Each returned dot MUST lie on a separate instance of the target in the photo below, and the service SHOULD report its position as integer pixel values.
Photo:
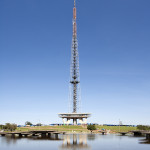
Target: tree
(1, 126)
(28, 123)
(38, 124)
(142, 127)
(13, 127)
(91, 127)
(10, 127)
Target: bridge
(142, 133)
(41, 133)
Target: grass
(56, 128)
(77, 129)
(117, 128)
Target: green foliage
(91, 127)
(142, 127)
(38, 124)
(1, 126)
(10, 127)
(28, 123)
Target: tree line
(143, 127)
(9, 127)
(13, 126)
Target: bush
(10, 127)
(28, 123)
(38, 124)
(142, 127)
(91, 127)
(1, 126)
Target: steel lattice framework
(74, 69)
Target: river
(75, 142)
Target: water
(75, 142)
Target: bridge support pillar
(137, 133)
(43, 134)
(56, 136)
(49, 134)
(2, 134)
(148, 136)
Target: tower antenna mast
(74, 80)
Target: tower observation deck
(74, 80)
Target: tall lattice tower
(74, 69)
(74, 80)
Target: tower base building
(81, 117)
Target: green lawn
(117, 128)
(113, 129)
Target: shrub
(1, 126)
(28, 123)
(10, 127)
(91, 127)
(38, 124)
(142, 127)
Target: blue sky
(114, 52)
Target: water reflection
(91, 137)
(14, 139)
(75, 142)
(144, 141)
(9, 140)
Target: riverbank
(78, 129)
